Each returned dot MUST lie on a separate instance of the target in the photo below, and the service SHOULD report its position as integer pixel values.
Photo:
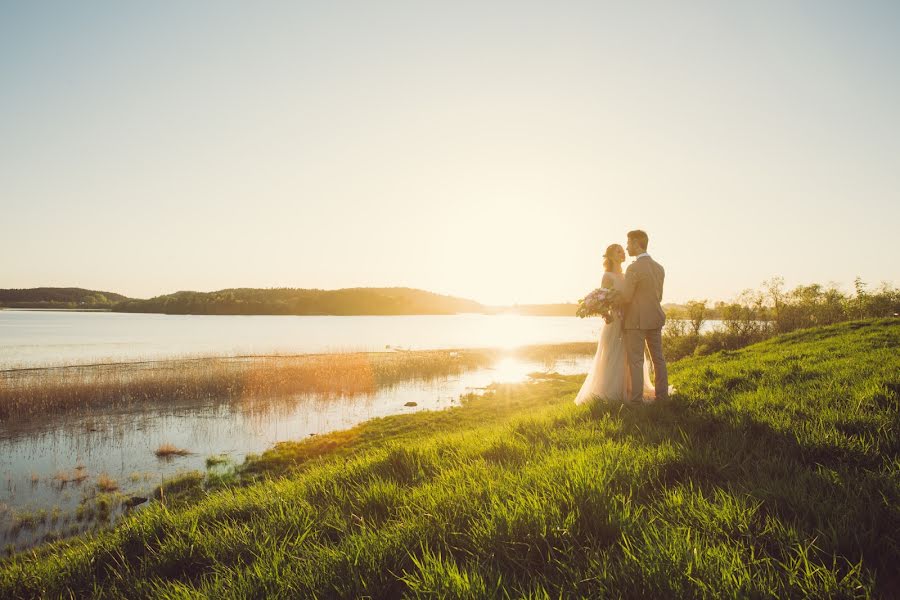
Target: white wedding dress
(608, 377)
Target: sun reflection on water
(510, 369)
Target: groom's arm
(662, 280)
(631, 281)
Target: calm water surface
(29, 338)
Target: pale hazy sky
(489, 150)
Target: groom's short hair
(640, 237)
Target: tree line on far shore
(52, 297)
(292, 301)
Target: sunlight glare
(511, 370)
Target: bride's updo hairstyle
(610, 258)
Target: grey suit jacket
(642, 295)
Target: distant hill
(295, 301)
(52, 297)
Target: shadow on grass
(844, 498)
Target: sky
(489, 150)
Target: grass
(774, 473)
(183, 488)
(215, 460)
(28, 394)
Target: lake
(32, 338)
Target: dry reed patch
(167, 450)
(28, 394)
(105, 483)
(77, 476)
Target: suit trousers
(635, 339)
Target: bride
(608, 377)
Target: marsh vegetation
(39, 392)
(28, 393)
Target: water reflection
(55, 466)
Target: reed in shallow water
(29, 393)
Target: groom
(644, 317)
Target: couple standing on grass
(619, 371)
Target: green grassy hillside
(775, 472)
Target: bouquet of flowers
(598, 302)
